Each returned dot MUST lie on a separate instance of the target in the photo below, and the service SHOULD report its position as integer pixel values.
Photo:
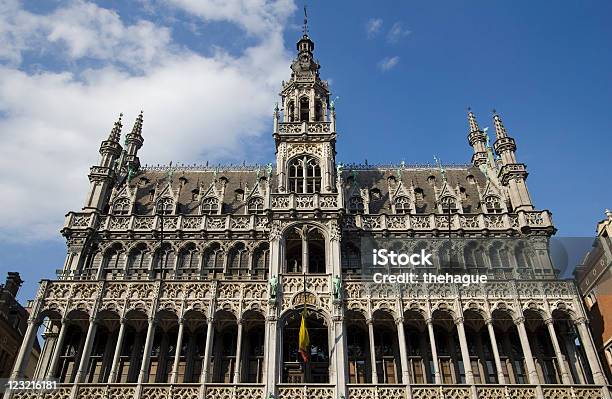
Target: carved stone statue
(337, 287)
(273, 287)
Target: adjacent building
(13, 324)
(191, 281)
(594, 278)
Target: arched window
(293, 252)
(121, 206)
(163, 261)
(474, 256)
(355, 204)
(210, 206)
(524, 256)
(114, 260)
(189, 259)
(256, 205)
(318, 110)
(213, 260)
(498, 254)
(239, 260)
(261, 260)
(139, 259)
(493, 204)
(304, 175)
(351, 258)
(448, 256)
(291, 111)
(402, 205)
(165, 206)
(316, 252)
(304, 109)
(449, 204)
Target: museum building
(191, 281)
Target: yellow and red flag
(304, 339)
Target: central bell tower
(305, 133)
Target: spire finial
(305, 22)
(500, 130)
(137, 129)
(115, 133)
(472, 121)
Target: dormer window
(431, 180)
(402, 205)
(375, 194)
(165, 206)
(195, 193)
(121, 206)
(304, 175)
(493, 204)
(449, 204)
(256, 205)
(355, 204)
(210, 206)
(418, 194)
(239, 194)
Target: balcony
(316, 391)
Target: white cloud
(388, 63)
(81, 30)
(257, 17)
(397, 32)
(52, 122)
(373, 26)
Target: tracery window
(304, 175)
(402, 205)
(114, 259)
(256, 205)
(165, 206)
(214, 257)
(493, 204)
(121, 206)
(356, 204)
(351, 258)
(449, 204)
(139, 258)
(239, 260)
(163, 261)
(210, 206)
(261, 260)
(189, 259)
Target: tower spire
(115, 133)
(500, 129)
(477, 139)
(305, 28)
(133, 143)
(472, 121)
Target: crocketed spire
(472, 121)
(115, 133)
(500, 130)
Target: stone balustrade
(315, 391)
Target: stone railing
(82, 221)
(315, 391)
(476, 392)
(304, 127)
(466, 222)
(304, 201)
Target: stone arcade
(188, 282)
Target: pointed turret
(478, 140)
(134, 141)
(103, 175)
(110, 149)
(511, 174)
(504, 145)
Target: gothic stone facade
(188, 282)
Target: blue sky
(405, 72)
